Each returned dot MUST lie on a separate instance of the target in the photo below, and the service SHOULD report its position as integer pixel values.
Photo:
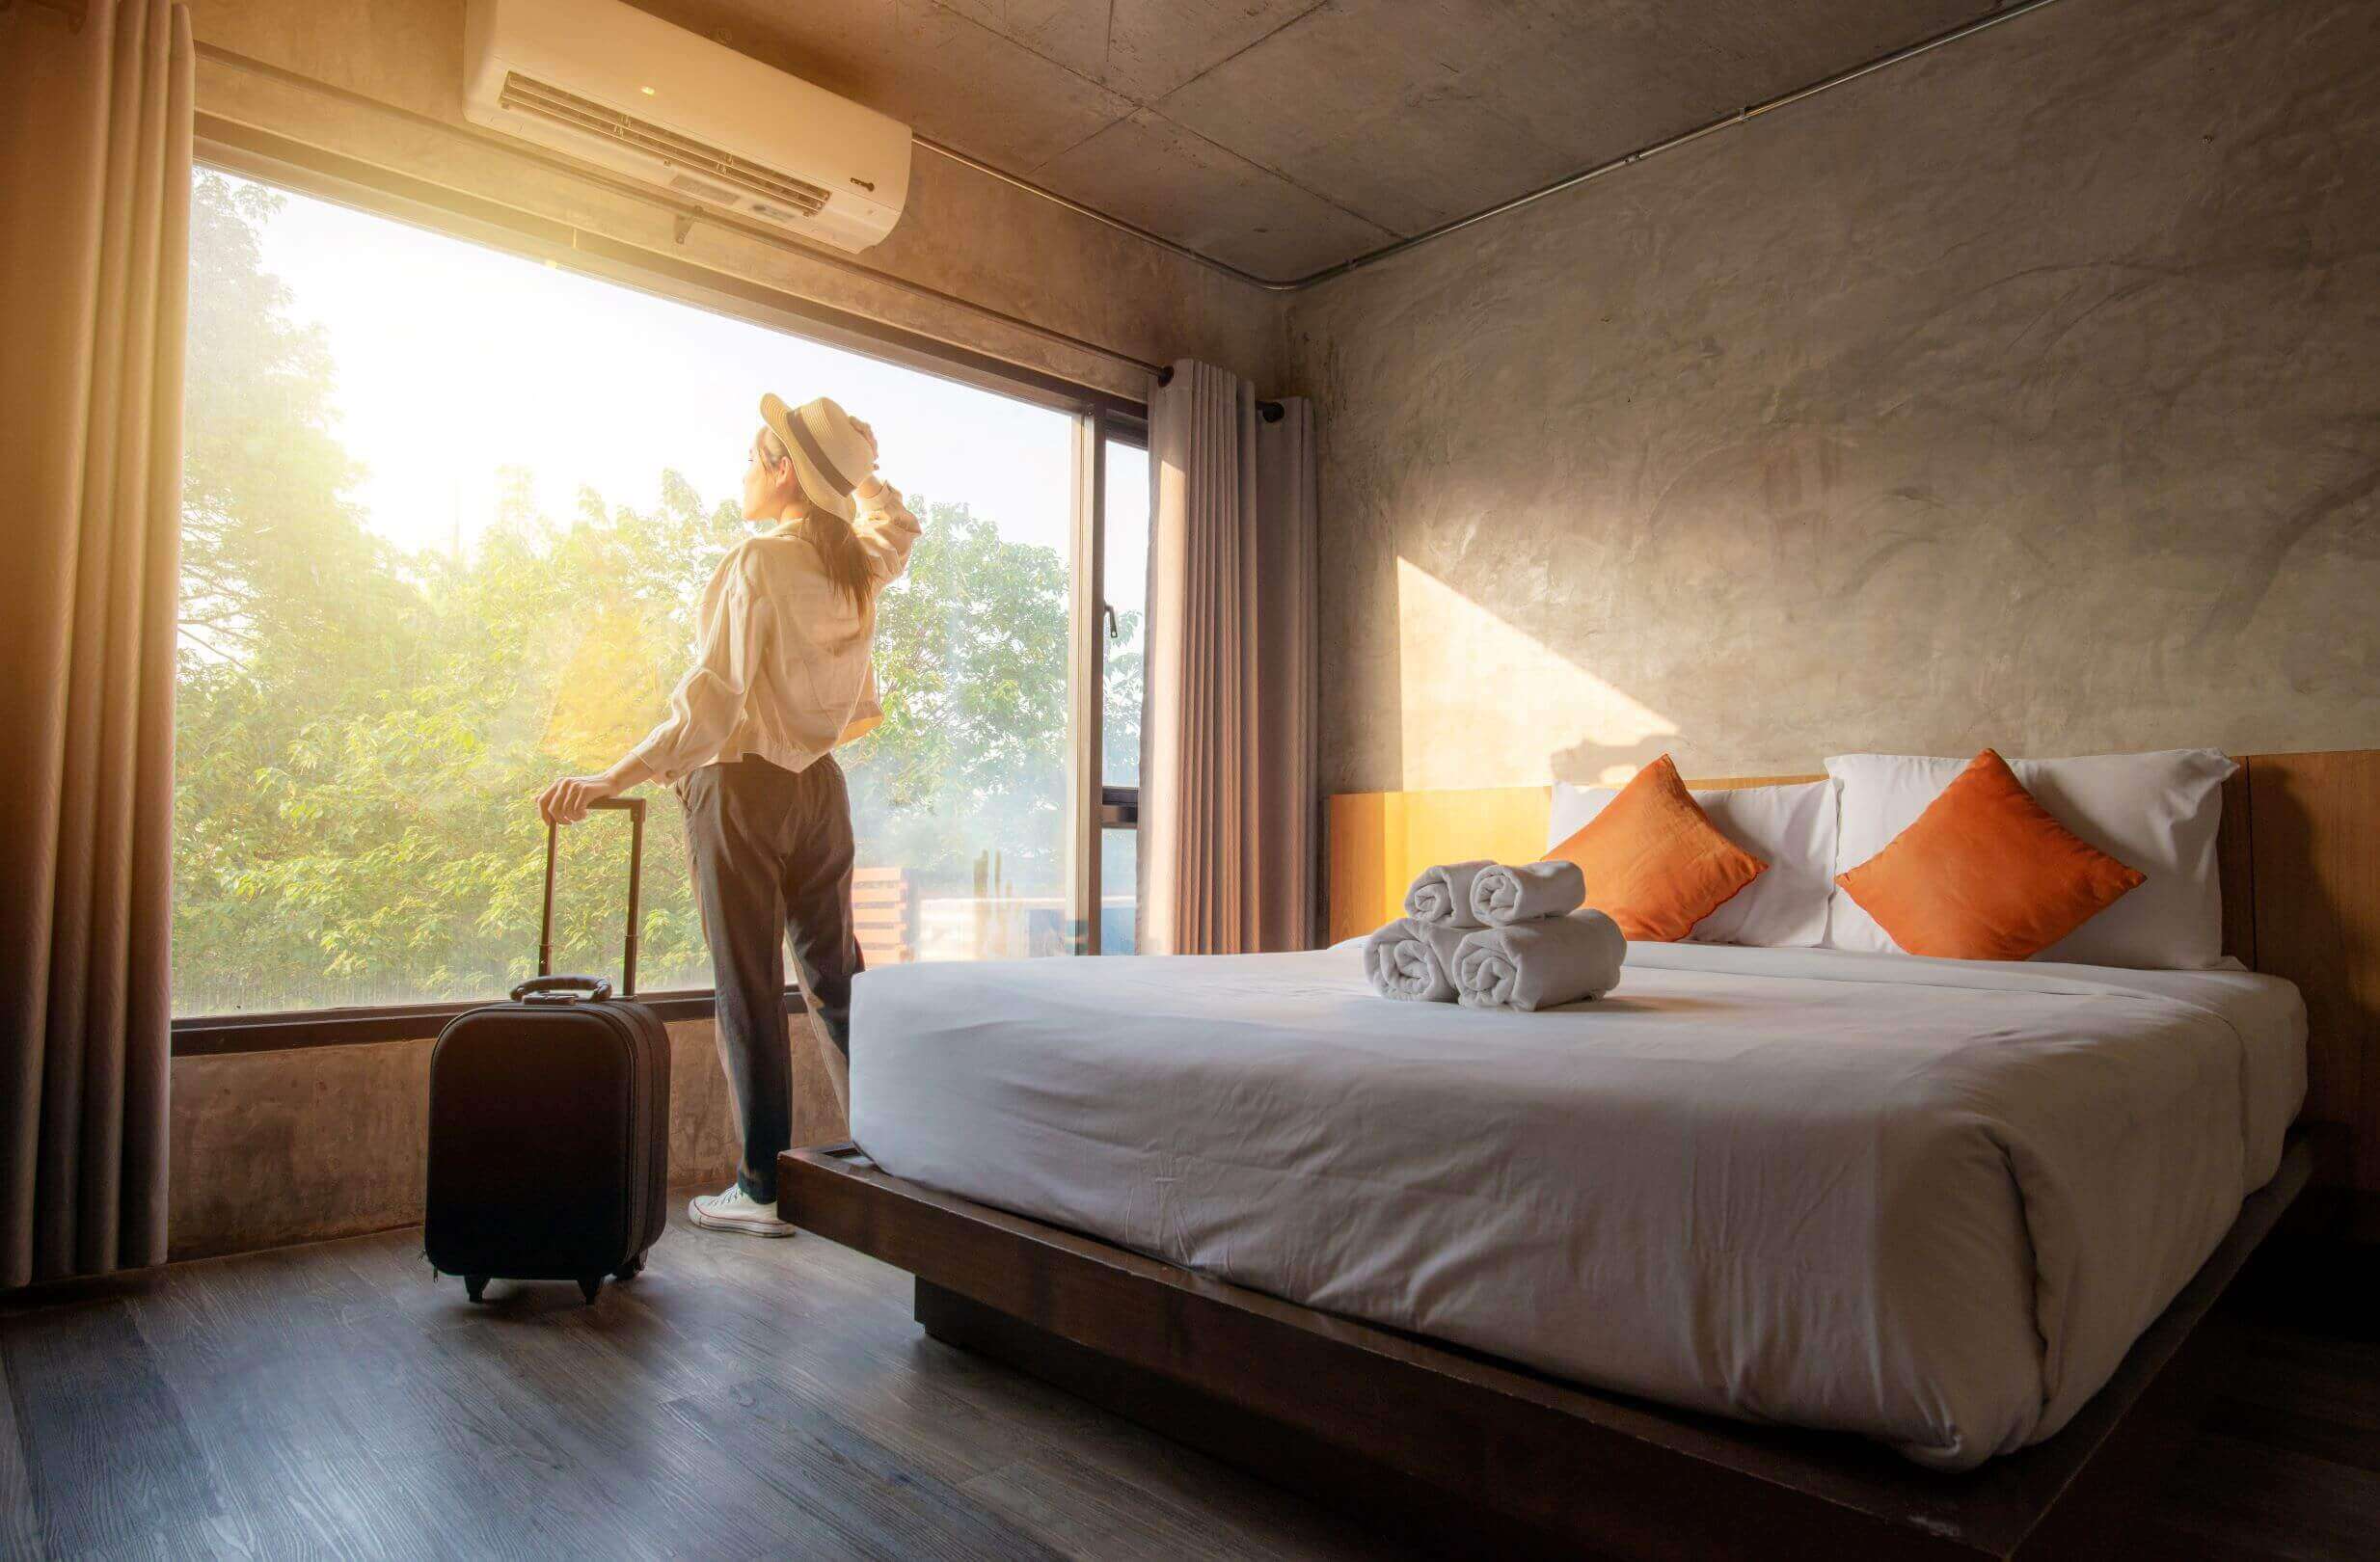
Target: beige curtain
(94, 203)
(1227, 805)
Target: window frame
(224, 146)
(1094, 806)
(1119, 807)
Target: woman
(782, 675)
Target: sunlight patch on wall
(1473, 686)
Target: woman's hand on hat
(869, 488)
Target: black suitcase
(549, 1155)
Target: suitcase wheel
(475, 1284)
(588, 1286)
(631, 1269)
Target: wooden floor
(747, 1398)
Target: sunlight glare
(455, 362)
(1471, 684)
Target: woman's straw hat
(830, 456)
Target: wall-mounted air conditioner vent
(607, 82)
(552, 103)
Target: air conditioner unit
(606, 83)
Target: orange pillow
(1985, 874)
(1653, 861)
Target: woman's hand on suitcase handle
(567, 800)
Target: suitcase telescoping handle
(562, 989)
(597, 990)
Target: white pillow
(1790, 828)
(2154, 812)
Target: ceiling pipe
(1571, 181)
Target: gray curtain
(1228, 806)
(94, 207)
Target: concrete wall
(288, 1147)
(2026, 394)
(273, 1148)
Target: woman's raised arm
(886, 530)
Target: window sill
(216, 1035)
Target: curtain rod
(1270, 409)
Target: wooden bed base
(1479, 1457)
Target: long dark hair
(846, 561)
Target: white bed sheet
(1930, 1202)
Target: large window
(447, 513)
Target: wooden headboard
(2300, 849)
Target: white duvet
(1930, 1202)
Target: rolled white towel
(1443, 893)
(1413, 960)
(1540, 964)
(1524, 891)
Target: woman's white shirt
(782, 664)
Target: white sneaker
(736, 1210)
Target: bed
(1595, 1276)
(1928, 1201)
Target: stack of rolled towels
(1496, 935)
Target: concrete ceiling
(1282, 136)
